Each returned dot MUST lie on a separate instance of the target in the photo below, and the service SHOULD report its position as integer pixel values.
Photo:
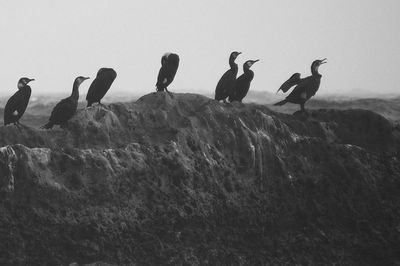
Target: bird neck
(232, 63)
(25, 88)
(247, 70)
(75, 91)
(314, 70)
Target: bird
(16, 105)
(243, 82)
(306, 87)
(100, 85)
(169, 66)
(66, 108)
(227, 82)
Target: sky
(56, 41)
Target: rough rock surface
(184, 180)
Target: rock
(8, 159)
(239, 184)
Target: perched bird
(293, 80)
(306, 88)
(169, 66)
(66, 108)
(227, 82)
(17, 103)
(100, 85)
(243, 82)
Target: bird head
(164, 58)
(102, 70)
(234, 55)
(249, 63)
(315, 65)
(80, 79)
(23, 82)
(320, 62)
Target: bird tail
(48, 125)
(280, 103)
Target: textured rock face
(184, 180)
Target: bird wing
(172, 67)
(11, 106)
(92, 89)
(226, 84)
(62, 111)
(299, 93)
(292, 81)
(16, 106)
(242, 86)
(101, 84)
(161, 78)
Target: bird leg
(302, 108)
(103, 105)
(17, 124)
(170, 93)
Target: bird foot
(169, 93)
(301, 114)
(104, 106)
(64, 125)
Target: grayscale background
(55, 41)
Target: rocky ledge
(184, 180)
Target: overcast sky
(55, 41)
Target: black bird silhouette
(66, 108)
(227, 82)
(243, 82)
(16, 105)
(306, 88)
(100, 85)
(169, 66)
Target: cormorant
(100, 85)
(243, 82)
(226, 84)
(306, 88)
(66, 108)
(169, 66)
(17, 103)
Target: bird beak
(256, 61)
(239, 53)
(86, 78)
(31, 80)
(323, 61)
